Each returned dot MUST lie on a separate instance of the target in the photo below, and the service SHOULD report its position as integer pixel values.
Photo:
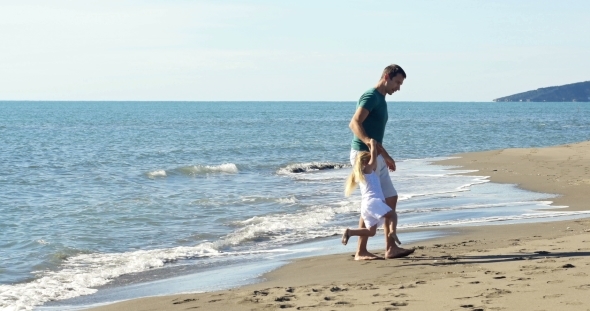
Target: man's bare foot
(345, 237)
(366, 256)
(398, 253)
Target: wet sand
(539, 266)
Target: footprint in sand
(555, 282)
(399, 304)
(574, 303)
(552, 296)
(286, 306)
(583, 287)
(521, 285)
(284, 298)
(496, 292)
(184, 301)
(260, 293)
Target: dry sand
(541, 266)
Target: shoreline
(561, 170)
(519, 266)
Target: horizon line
(234, 101)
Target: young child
(374, 210)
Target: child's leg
(358, 232)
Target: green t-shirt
(375, 122)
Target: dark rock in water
(315, 167)
(575, 92)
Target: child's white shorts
(372, 212)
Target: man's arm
(356, 126)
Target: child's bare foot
(393, 236)
(345, 237)
(366, 256)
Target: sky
(283, 50)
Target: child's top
(371, 188)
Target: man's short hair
(393, 70)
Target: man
(368, 122)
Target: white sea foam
(156, 174)
(80, 274)
(467, 207)
(228, 168)
(289, 200)
(260, 199)
(494, 219)
(279, 229)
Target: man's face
(394, 85)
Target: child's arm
(372, 165)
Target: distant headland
(575, 92)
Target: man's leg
(390, 244)
(391, 248)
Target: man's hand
(390, 163)
(388, 159)
(380, 150)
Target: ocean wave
(310, 166)
(194, 170)
(156, 174)
(228, 168)
(257, 199)
(81, 274)
(279, 229)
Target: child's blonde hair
(357, 176)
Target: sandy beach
(539, 266)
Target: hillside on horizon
(575, 92)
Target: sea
(108, 201)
